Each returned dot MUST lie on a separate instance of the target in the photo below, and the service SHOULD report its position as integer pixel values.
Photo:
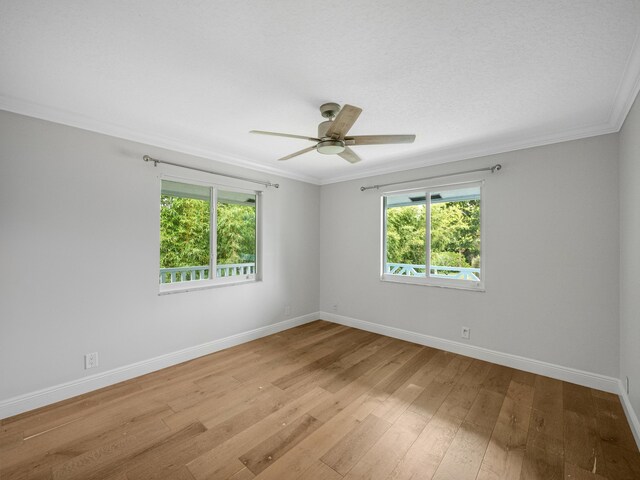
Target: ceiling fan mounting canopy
(332, 136)
(329, 110)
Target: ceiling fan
(332, 136)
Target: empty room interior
(300, 240)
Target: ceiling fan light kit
(330, 147)
(332, 136)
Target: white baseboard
(632, 417)
(46, 396)
(572, 375)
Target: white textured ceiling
(467, 77)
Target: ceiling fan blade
(298, 153)
(288, 135)
(379, 139)
(343, 122)
(350, 156)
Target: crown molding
(83, 122)
(628, 87)
(457, 153)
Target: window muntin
(200, 245)
(442, 224)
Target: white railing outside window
(188, 274)
(437, 271)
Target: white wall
(79, 236)
(550, 252)
(630, 254)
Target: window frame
(429, 280)
(214, 281)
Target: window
(442, 224)
(202, 246)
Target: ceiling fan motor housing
(328, 146)
(323, 127)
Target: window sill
(196, 285)
(432, 282)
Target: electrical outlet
(465, 333)
(287, 310)
(91, 360)
(334, 308)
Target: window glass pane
(406, 234)
(455, 234)
(236, 234)
(185, 212)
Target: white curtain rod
(155, 161)
(493, 169)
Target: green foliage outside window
(185, 230)
(236, 233)
(455, 234)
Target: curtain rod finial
(496, 168)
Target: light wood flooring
(323, 401)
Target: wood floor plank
(70, 445)
(622, 464)
(485, 409)
(431, 369)
(540, 464)
(498, 379)
(284, 362)
(424, 456)
(75, 438)
(505, 453)
(612, 424)
(386, 453)
(406, 371)
(435, 393)
(325, 376)
(319, 471)
(299, 374)
(374, 380)
(356, 371)
(464, 456)
(270, 450)
(546, 432)
(218, 405)
(352, 447)
(581, 440)
(320, 401)
(394, 406)
(300, 458)
(244, 474)
(573, 472)
(222, 461)
(107, 458)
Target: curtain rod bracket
(147, 158)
